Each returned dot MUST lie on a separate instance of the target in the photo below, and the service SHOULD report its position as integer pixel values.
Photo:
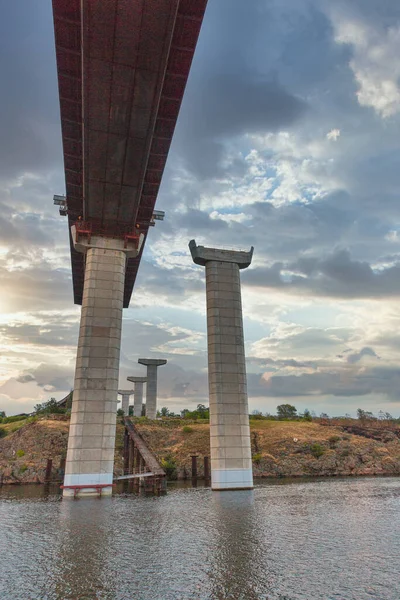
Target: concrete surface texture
(231, 464)
(126, 394)
(152, 365)
(90, 455)
(138, 397)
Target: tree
(257, 414)
(49, 408)
(364, 415)
(203, 411)
(2, 414)
(384, 416)
(164, 412)
(307, 415)
(286, 411)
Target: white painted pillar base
(231, 479)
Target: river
(331, 539)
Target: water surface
(332, 539)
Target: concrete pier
(90, 455)
(138, 394)
(231, 464)
(152, 365)
(126, 394)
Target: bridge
(122, 70)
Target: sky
(288, 141)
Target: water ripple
(336, 539)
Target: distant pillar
(125, 400)
(151, 391)
(138, 394)
(231, 466)
(90, 455)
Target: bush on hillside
(49, 408)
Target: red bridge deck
(122, 70)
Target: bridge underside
(122, 70)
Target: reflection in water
(320, 540)
(79, 569)
(232, 574)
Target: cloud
(373, 63)
(336, 275)
(333, 134)
(357, 356)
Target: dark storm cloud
(52, 332)
(59, 378)
(336, 275)
(344, 383)
(227, 94)
(26, 229)
(174, 283)
(29, 124)
(201, 219)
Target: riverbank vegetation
(286, 444)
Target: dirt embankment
(280, 449)
(283, 448)
(24, 452)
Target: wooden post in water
(206, 468)
(194, 467)
(126, 453)
(49, 467)
(131, 455)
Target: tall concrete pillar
(138, 394)
(125, 400)
(90, 455)
(151, 391)
(231, 465)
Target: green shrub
(187, 429)
(169, 465)
(14, 419)
(333, 440)
(257, 458)
(20, 453)
(23, 468)
(3, 432)
(317, 450)
(345, 452)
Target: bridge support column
(231, 465)
(126, 394)
(138, 394)
(152, 365)
(90, 455)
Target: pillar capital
(137, 380)
(202, 255)
(152, 365)
(84, 240)
(126, 392)
(151, 362)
